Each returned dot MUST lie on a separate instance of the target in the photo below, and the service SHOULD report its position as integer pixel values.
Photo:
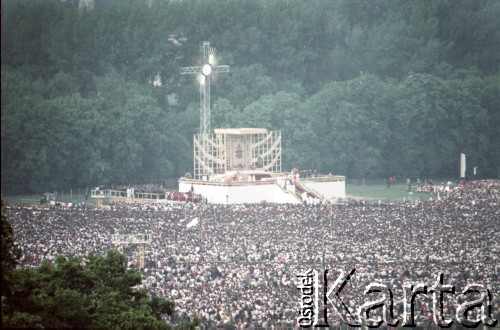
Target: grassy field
(35, 199)
(395, 193)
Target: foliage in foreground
(76, 292)
(96, 291)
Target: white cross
(204, 73)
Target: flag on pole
(192, 223)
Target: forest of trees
(359, 88)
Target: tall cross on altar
(207, 70)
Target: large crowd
(237, 265)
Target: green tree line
(359, 88)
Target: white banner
(462, 165)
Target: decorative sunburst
(205, 71)
(206, 68)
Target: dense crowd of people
(237, 265)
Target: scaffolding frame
(133, 239)
(236, 150)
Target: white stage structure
(236, 149)
(243, 165)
